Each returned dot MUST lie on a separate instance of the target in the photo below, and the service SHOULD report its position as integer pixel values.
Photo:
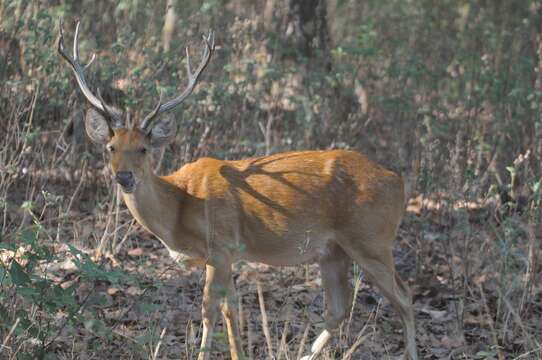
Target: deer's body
(284, 209)
(327, 207)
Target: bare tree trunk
(169, 25)
(268, 14)
(308, 29)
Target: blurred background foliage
(390, 78)
(448, 93)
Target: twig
(530, 271)
(241, 315)
(361, 338)
(117, 219)
(250, 338)
(157, 348)
(282, 345)
(491, 323)
(117, 248)
(523, 356)
(357, 286)
(265, 325)
(6, 339)
(76, 191)
(301, 348)
(519, 322)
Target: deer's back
(269, 203)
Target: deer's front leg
(218, 285)
(210, 309)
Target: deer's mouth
(128, 189)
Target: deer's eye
(143, 150)
(110, 148)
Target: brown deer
(327, 207)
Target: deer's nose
(125, 178)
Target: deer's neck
(159, 206)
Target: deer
(329, 207)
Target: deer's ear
(163, 131)
(97, 127)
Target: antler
(78, 70)
(192, 81)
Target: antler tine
(78, 70)
(76, 42)
(210, 41)
(188, 65)
(92, 58)
(149, 117)
(118, 121)
(192, 80)
(76, 48)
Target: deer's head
(129, 143)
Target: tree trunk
(169, 25)
(308, 30)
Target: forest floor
(162, 311)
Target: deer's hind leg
(229, 313)
(377, 262)
(334, 269)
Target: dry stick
(241, 314)
(357, 286)
(76, 191)
(63, 148)
(301, 348)
(26, 138)
(73, 217)
(507, 315)
(6, 339)
(20, 346)
(124, 336)
(361, 338)
(530, 272)
(103, 239)
(519, 322)
(105, 233)
(155, 354)
(265, 326)
(29, 194)
(266, 131)
(59, 225)
(30, 119)
(250, 338)
(5, 211)
(283, 346)
(117, 219)
(524, 355)
(491, 323)
(190, 339)
(125, 237)
(201, 142)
